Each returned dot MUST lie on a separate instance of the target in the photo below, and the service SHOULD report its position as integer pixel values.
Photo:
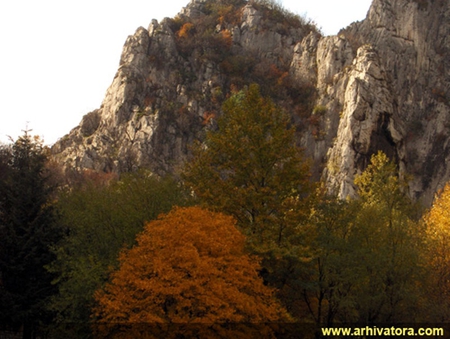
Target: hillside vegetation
(262, 249)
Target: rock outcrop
(380, 84)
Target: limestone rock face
(380, 84)
(412, 41)
(366, 124)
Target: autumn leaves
(193, 265)
(189, 266)
(264, 245)
(364, 260)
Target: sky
(59, 57)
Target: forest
(239, 242)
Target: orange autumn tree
(189, 266)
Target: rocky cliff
(380, 84)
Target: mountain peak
(380, 84)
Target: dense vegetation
(188, 266)
(251, 169)
(101, 217)
(97, 253)
(28, 229)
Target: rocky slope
(380, 84)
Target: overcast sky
(58, 57)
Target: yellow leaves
(437, 254)
(437, 222)
(438, 218)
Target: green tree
(366, 265)
(387, 242)
(330, 273)
(27, 231)
(251, 169)
(189, 267)
(101, 217)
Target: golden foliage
(437, 222)
(187, 267)
(185, 30)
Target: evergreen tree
(27, 231)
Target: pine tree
(27, 231)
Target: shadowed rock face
(412, 41)
(380, 84)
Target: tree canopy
(251, 168)
(368, 253)
(101, 217)
(27, 232)
(437, 231)
(189, 266)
